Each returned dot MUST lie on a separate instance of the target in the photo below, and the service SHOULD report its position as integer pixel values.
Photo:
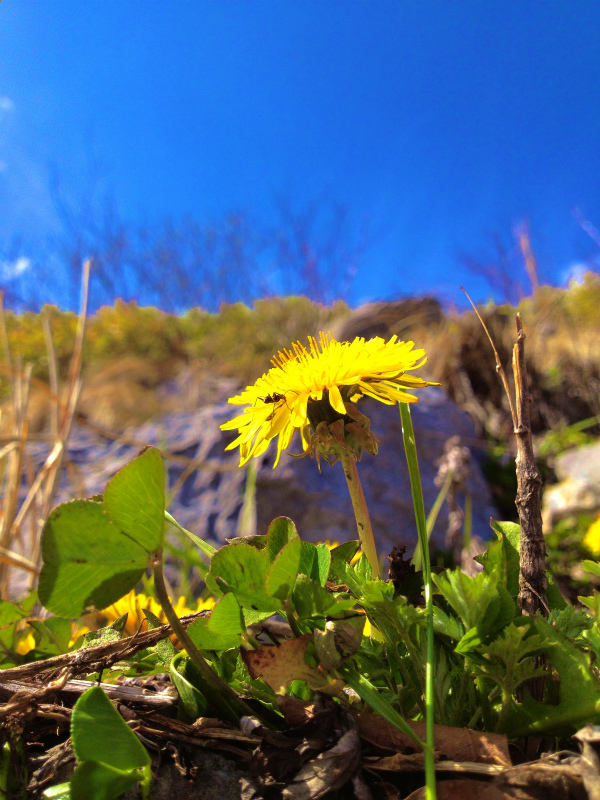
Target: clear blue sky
(437, 121)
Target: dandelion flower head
(328, 372)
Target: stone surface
(209, 498)
(582, 463)
(320, 504)
(578, 490)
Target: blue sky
(437, 122)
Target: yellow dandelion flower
(290, 395)
(134, 604)
(592, 537)
(27, 642)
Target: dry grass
(22, 521)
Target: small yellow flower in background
(134, 604)
(319, 384)
(592, 538)
(27, 642)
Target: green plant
(110, 757)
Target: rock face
(210, 485)
(320, 505)
(579, 487)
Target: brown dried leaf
(452, 744)
(326, 772)
(543, 781)
(278, 666)
(399, 762)
(295, 711)
(463, 790)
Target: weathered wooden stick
(532, 576)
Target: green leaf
(258, 540)
(579, 692)
(502, 557)
(315, 561)
(323, 564)
(100, 733)
(571, 622)
(203, 546)
(135, 499)
(87, 560)
(592, 567)
(184, 675)
(342, 554)
(96, 781)
(165, 649)
(223, 629)
(510, 658)
(242, 569)
(444, 624)
(312, 600)
(10, 613)
(470, 598)
(281, 531)
(284, 570)
(53, 636)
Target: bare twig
(532, 577)
(87, 660)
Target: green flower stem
(361, 513)
(410, 449)
(433, 515)
(216, 691)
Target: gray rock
(578, 490)
(320, 504)
(209, 498)
(568, 498)
(581, 463)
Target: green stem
(219, 693)
(361, 513)
(433, 515)
(291, 620)
(410, 449)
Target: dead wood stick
(532, 557)
(102, 656)
(532, 575)
(124, 694)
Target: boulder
(578, 490)
(210, 485)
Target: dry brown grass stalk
(15, 551)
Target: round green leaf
(87, 560)
(284, 570)
(100, 733)
(135, 499)
(94, 781)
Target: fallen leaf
(463, 790)
(452, 744)
(399, 762)
(280, 665)
(325, 755)
(295, 711)
(543, 780)
(589, 767)
(328, 771)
